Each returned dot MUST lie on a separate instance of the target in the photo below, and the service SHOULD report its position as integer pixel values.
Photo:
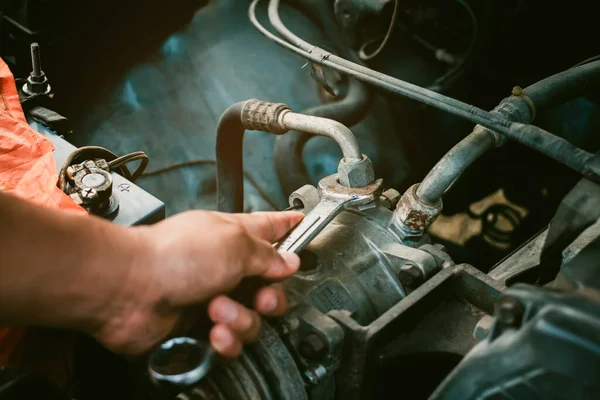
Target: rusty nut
(356, 174)
(307, 197)
(390, 198)
(412, 216)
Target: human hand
(190, 259)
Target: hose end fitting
(356, 174)
(412, 216)
(264, 116)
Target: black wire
(489, 219)
(199, 162)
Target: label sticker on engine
(331, 295)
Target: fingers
(236, 325)
(271, 301)
(267, 262)
(224, 341)
(269, 226)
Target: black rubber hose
(566, 85)
(543, 95)
(289, 161)
(230, 158)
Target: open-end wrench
(194, 358)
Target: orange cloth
(27, 170)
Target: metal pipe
(351, 109)
(325, 127)
(454, 163)
(536, 138)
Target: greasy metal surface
(347, 268)
(461, 282)
(528, 255)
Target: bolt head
(312, 347)
(509, 311)
(410, 275)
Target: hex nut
(390, 198)
(307, 197)
(356, 174)
(412, 216)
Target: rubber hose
(289, 161)
(230, 157)
(545, 94)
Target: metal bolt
(483, 328)
(509, 311)
(312, 346)
(410, 274)
(89, 194)
(311, 377)
(36, 61)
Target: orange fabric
(27, 170)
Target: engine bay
(448, 252)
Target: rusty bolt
(509, 311)
(410, 275)
(312, 347)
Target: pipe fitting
(306, 198)
(412, 216)
(264, 116)
(357, 173)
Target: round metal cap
(93, 180)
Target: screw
(410, 274)
(36, 61)
(312, 347)
(89, 193)
(509, 311)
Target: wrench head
(331, 189)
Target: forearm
(60, 269)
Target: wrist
(134, 294)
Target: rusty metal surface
(412, 216)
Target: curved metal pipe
(288, 152)
(547, 93)
(289, 161)
(268, 117)
(328, 128)
(229, 154)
